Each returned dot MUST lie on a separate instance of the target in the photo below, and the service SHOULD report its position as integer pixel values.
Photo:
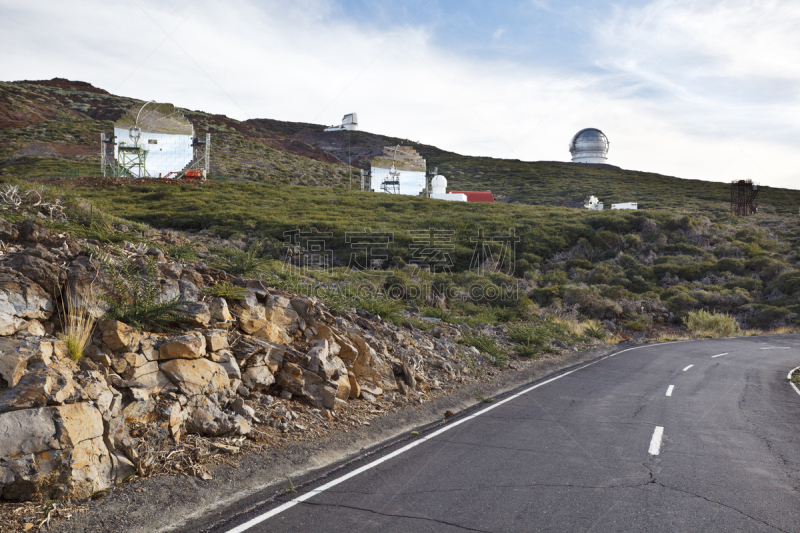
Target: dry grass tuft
(78, 324)
(705, 324)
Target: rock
(216, 340)
(8, 233)
(191, 346)
(328, 366)
(33, 232)
(240, 425)
(20, 297)
(121, 467)
(239, 407)
(251, 321)
(302, 382)
(86, 292)
(196, 376)
(225, 448)
(225, 359)
(27, 431)
(95, 354)
(258, 378)
(343, 387)
(40, 386)
(355, 389)
(48, 275)
(175, 415)
(219, 310)
(282, 317)
(206, 418)
(119, 336)
(196, 314)
(33, 327)
(13, 360)
(10, 324)
(89, 462)
(188, 291)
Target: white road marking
(687, 368)
(719, 355)
(792, 371)
(655, 442)
(310, 494)
(777, 348)
(670, 389)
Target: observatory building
(589, 145)
(349, 123)
(154, 140)
(398, 170)
(439, 191)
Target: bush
(134, 298)
(241, 263)
(385, 308)
(488, 346)
(770, 316)
(715, 324)
(225, 290)
(681, 302)
(534, 338)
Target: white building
(589, 145)
(627, 205)
(166, 152)
(399, 170)
(591, 202)
(439, 191)
(349, 123)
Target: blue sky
(700, 89)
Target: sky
(699, 89)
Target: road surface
(690, 436)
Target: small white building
(439, 190)
(627, 205)
(398, 170)
(591, 202)
(349, 123)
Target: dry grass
(78, 325)
(705, 324)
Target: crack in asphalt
(473, 489)
(721, 504)
(388, 515)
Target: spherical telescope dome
(589, 145)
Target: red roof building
(477, 196)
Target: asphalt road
(582, 451)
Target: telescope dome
(589, 145)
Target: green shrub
(535, 338)
(184, 252)
(635, 325)
(225, 290)
(488, 346)
(716, 324)
(241, 263)
(788, 282)
(385, 308)
(134, 298)
(769, 316)
(681, 302)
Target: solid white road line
(670, 389)
(792, 371)
(310, 494)
(687, 368)
(777, 348)
(655, 442)
(719, 355)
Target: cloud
(498, 33)
(662, 95)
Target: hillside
(51, 128)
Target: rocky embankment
(247, 372)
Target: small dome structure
(589, 145)
(439, 184)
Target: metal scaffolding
(744, 198)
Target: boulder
(309, 385)
(13, 360)
(258, 378)
(191, 346)
(355, 389)
(196, 314)
(48, 275)
(196, 376)
(119, 336)
(8, 233)
(86, 292)
(219, 310)
(20, 297)
(281, 316)
(206, 418)
(328, 366)
(33, 232)
(43, 385)
(216, 340)
(252, 320)
(227, 361)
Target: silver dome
(589, 145)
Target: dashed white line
(687, 368)
(719, 355)
(670, 389)
(655, 442)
